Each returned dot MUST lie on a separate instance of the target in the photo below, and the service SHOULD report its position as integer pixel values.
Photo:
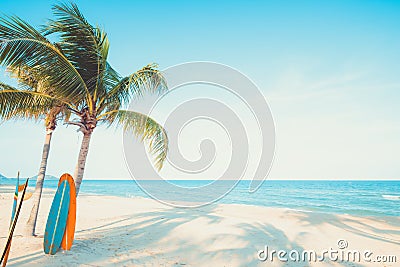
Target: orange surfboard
(69, 233)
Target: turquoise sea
(366, 198)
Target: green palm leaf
(21, 46)
(22, 104)
(143, 127)
(146, 80)
(84, 45)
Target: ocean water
(365, 198)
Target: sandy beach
(142, 232)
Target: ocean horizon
(354, 197)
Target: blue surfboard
(57, 219)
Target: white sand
(142, 232)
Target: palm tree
(50, 87)
(30, 102)
(76, 72)
(17, 103)
(105, 93)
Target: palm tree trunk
(80, 166)
(31, 224)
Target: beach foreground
(142, 232)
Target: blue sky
(328, 69)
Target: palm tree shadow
(26, 259)
(147, 239)
(361, 228)
(166, 237)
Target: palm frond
(110, 79)
(25, 77)
(22, 46)
(143, 127)
(22, 104)
(146, 80)
(84, 45)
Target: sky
(329, 71)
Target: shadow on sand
(146, 238)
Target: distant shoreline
(358, 198)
